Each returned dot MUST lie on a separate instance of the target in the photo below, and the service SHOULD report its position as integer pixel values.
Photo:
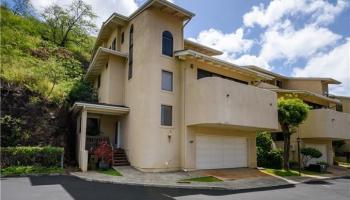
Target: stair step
(120, 158)
(122, 164)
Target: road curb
(324, 179)
(199, 187)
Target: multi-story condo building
(166, 102)
(328, 119)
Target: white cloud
(322, 12)
(274, 12)
(230, 44)
(290, 44)
(335, 64)
(252, 60)
(102, 9)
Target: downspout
(183, 68)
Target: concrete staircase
(119, 158)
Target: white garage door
(213, 152)
(322, 148)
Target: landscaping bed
(111, 172)
(286, 173)
(207, 179)
(20, 161)
(30, 170)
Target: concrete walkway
(132, 176)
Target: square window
(166, 115)
(167, 80)
(93, 127)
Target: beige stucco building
(328, 119)
(166, 102)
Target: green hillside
(29, 58)
(39, 82)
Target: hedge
(46, 156)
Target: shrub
(266, 156)
(11, 129)
(25, 156)
(309, 153)
(264, 141)
(274, 159)
(104, 152)
(293, 164)
(25, 170)
(82, 91)
(322, 163)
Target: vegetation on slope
(29, 58)
(41, 77)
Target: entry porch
(96, 122)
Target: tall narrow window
(166, 115)
(114, 44)
(131, 48)
(98, 81)
(167, 44)
(122, 39)
(167, 80)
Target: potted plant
(103, 152)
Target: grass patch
(285, 173)
(26, 170)
(344, 164)
(111, 172)
(202, 179)
(281, 172)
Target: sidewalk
(132, 176)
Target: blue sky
(291, 37)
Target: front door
(117, 142)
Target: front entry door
(117, 139)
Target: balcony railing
(93, 141)
(214, 100)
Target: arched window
(167, 43)
(131, 48)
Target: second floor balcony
(326, 123)
(215, 101)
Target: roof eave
(222, 62)
(308, 93)
(105, 50)
(214, 52)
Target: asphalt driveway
(68, 187)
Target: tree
(71, 24)
(291, 113)
(309, 153)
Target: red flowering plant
(103, 152)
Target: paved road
(68, 187)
